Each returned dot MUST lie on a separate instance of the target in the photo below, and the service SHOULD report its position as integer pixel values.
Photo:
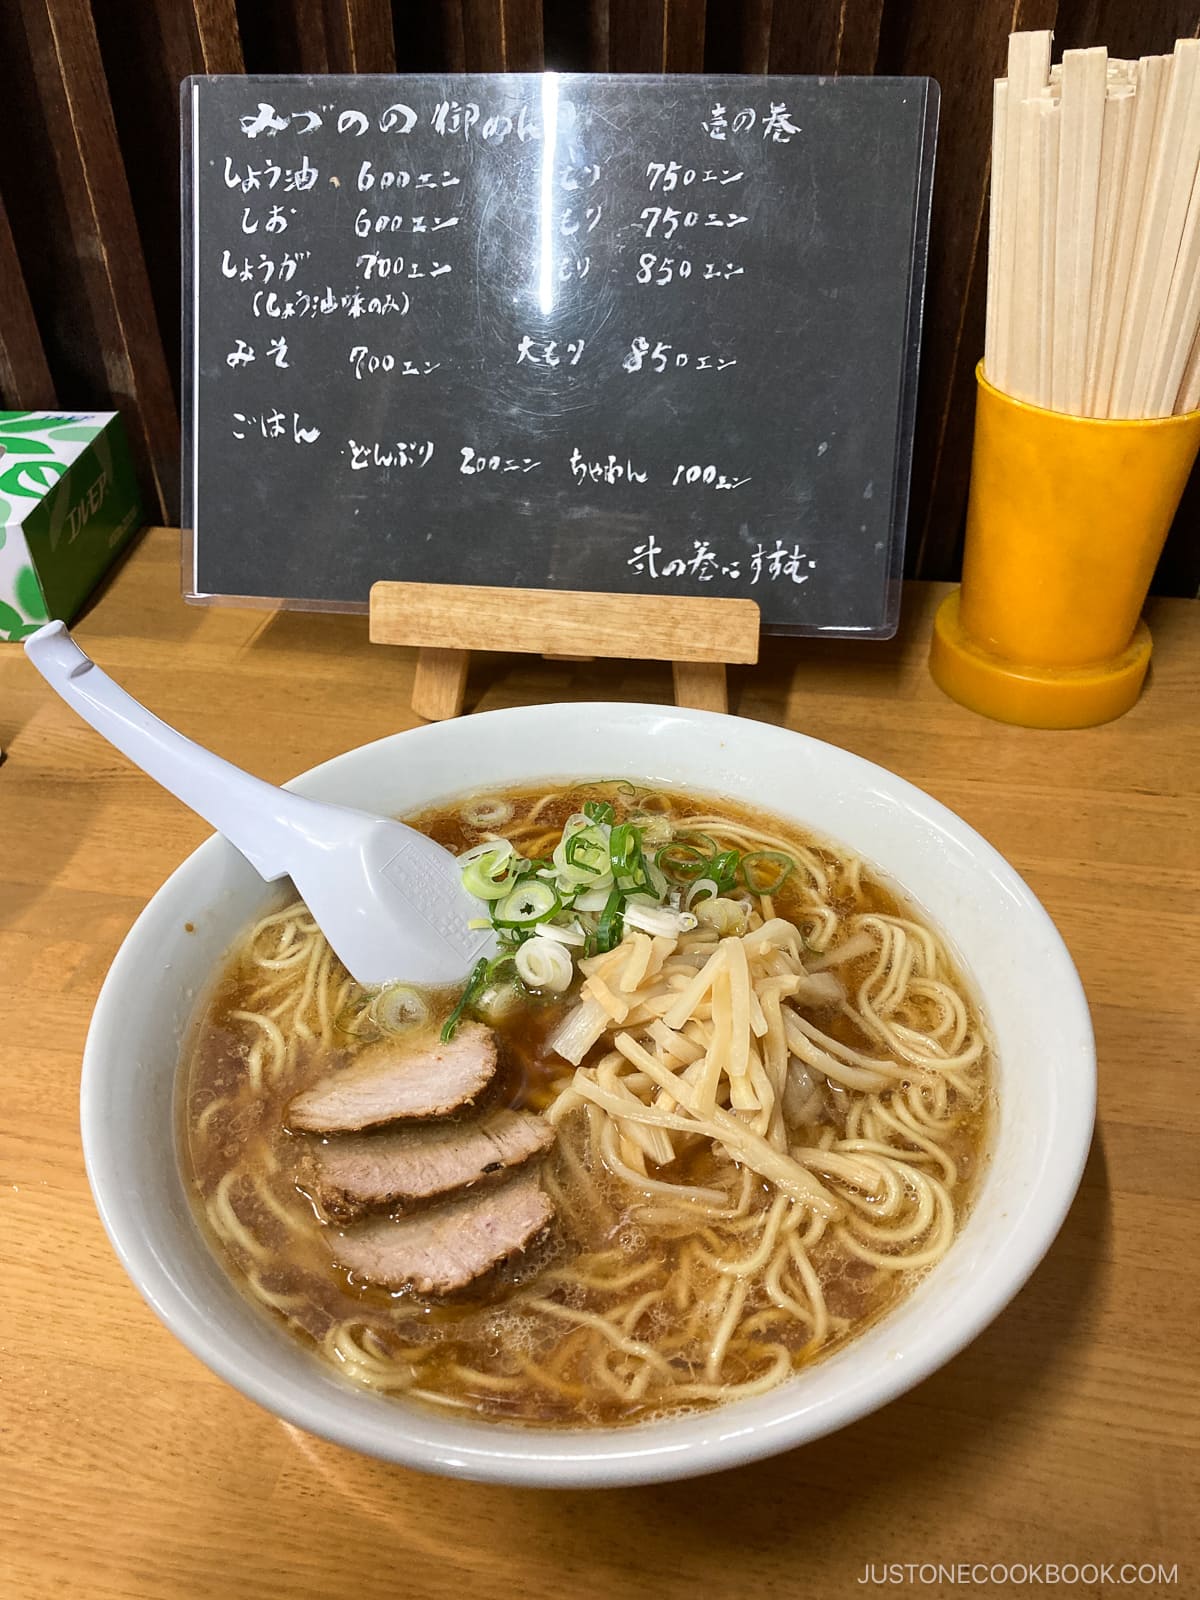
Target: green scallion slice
(624, 849)
(610, 928)
(533, 900)
(682, 862)
(702, 841)
(587, 852)
(723, 869)
(491, 874)
(766, 871)
(474, 984)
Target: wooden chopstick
(1177, 135)
(1118, 127)
(1093, 279)
(1082, 110)
(1028, 74)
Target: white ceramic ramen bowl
(1005, 942)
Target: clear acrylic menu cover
(616, 333)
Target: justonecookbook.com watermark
(994, 1574)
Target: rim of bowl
(636, 1453)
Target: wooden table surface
(1066, 1434)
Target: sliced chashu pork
(361, 1172)
(389, 1081)
(443, 1249)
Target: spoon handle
(259, 819)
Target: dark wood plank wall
(89, 239)
(23, 366)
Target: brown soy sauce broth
(475, 1351)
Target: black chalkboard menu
(643, 335)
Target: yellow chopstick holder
(1066, 520)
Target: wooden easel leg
(440, 685)
(701, 684)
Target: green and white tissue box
(68, 504)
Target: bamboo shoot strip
(1028, 75)
(993, 363)
(1118, 124)
(1023, 346)
(1049, 133)
(1155, 250)
(1151, 81)
(1082, 107)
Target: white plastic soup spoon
(389, 900)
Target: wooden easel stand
(447, 621)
